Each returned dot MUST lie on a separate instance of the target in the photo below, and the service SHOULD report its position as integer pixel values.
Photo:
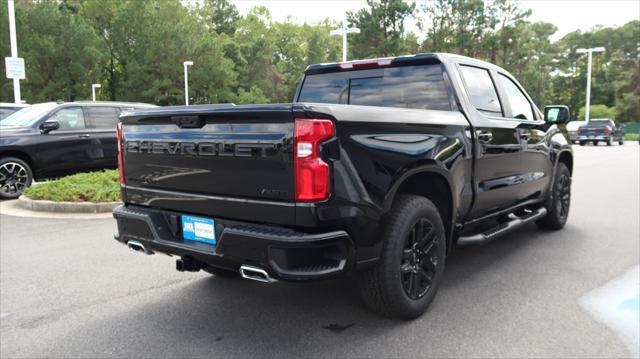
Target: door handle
(484, 136)
(84, 135)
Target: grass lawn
(82, 187)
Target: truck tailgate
(193, 159)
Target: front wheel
(405, 280)
(15, 177)
(559, 200)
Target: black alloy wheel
(563, 195)
(559, 200)
(15, 177)
(419, 259)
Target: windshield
(28, 115)
(599, 123)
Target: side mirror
(556, 114)
(49, 126)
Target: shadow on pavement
(233, 317)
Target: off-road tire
(383, 287)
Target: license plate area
(198, 229)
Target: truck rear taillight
(607, 129)
(120, 154)
(312, 182)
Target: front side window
(520, 106)
(482, 92)
(69, 118)
(420, 87)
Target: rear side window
(520, 106)
(103, 117)
(421, 87)
(482, 92)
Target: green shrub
(631, 136)
(82, 187)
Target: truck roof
(422, 58)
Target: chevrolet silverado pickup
(379, 169)
(604, 130)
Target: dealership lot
(68, 289)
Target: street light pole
(93, 91)
(343, 32)
(14, 48)
(589, 53)
(186, 82)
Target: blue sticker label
(199, 229)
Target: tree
(62, 53)
(381, 27)
(597, 111)
(221, 15)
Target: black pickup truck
(379, 168)
(604, 130)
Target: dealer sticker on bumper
(199, 229)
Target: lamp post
(343, 32)
(588, 52)
(186, 82)
(93, 91)
(14, 49)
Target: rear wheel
(405, 280)
(582, 143)
(621, 141)
(609, 141)
(559, 200)
(15, 177)
(595, 143)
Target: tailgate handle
(188, 121)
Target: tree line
(135, 49)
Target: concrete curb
(65, 207)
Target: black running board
(503, 228)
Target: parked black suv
(380, 167)
(49, 140)
(7, 109)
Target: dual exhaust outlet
(190, 265)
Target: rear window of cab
(418, 87)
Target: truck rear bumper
(591, 138)
(282, 252)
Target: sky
(566, 15)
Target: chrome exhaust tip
(255, 273)
(138, 247)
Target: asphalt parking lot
(69, 290)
